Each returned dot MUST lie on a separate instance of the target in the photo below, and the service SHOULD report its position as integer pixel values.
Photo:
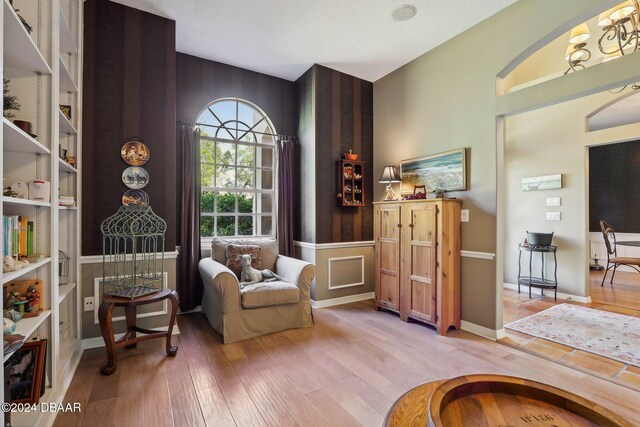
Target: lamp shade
(622, 10)
(603, 18)
(572, 54)
(579, 34)
(389, 175)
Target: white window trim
(273, 213)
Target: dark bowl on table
(539, 239)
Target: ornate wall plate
(135, 197)
(135, 177)
(135, 153)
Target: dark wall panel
(614, 171)
(129, 89)
(344, 121)
(200, 81)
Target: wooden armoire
(418, 260)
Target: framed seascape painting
(446, 171)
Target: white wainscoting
(360, 282)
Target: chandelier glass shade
(620, 36)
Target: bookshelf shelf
(15, 201)
(65, 290)
(66, 167)
(67, 44)
(28, 325)
(65, 125)
(16, 140)
(21, 53)
(14, 275)
(66, 82)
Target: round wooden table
(497, 400)
(130, 338)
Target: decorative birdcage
(133, 252)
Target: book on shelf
(15, 236)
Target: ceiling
(284, 38)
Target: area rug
(612, 335)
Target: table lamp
(390, 176)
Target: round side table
(130, 338)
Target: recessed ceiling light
(404, 12)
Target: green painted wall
(447, 99)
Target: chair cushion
(625, 260)
(264, 294)
(269, 247)
(233, 253)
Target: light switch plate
(553, 216)
(464, 215)
(553, 201)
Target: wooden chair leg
(172, 350)
(106, 327)
(606, 270)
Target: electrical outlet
(464, 215)
(89, 303)
(553, 201)
(553, 216)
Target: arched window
(237, 164)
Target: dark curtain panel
(285, 155)
(189, 282)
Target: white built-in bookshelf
(45, 71)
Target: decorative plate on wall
(135, 177)
(135, 197)
(135, 153)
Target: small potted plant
(439, 192)
(10, 101)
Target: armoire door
(419, 261)
(387, 235)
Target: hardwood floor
(345, 370)
(623, 297)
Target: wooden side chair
(613, 260)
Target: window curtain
(189, 282)
(285, 152)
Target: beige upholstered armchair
(258, 309)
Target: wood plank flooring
(623, 297)
(346, 370)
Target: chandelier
(620, 36)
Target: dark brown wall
(614, 171)
(200, 81)
(343, 121)
(129, 89)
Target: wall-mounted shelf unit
(44, 69)
(351, 181)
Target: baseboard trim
(47, 418)
(342, 300)
(484, 332)
(538, 291)
(337, 245)
(97, 342)
(197, 309)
